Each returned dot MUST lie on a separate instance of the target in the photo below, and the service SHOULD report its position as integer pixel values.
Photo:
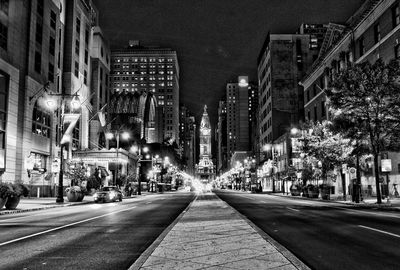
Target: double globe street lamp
(109, 136)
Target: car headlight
(112, 194)
(95, 196)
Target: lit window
(40, 122)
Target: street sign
(353, 173)
(386, 165)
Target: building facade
(282, 62)
(372, 33)
(221, 138)
(152, 74)
(237, 116)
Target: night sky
(216, 40)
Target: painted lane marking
(297, 210)
(373, 229)
(148, 202)
(365, 212)
(62, 227)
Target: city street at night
(90, 236)
(324, 235)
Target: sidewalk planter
(12, 202)
(74, 194)
(295, 190)
(17, 191)
(3, 202)
(5, 192)
(312, 191)
(325, 192)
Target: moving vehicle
(108, 194)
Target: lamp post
(109, 136)
(52, 104)
(139, 151)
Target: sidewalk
(392, 204)
(32, 204)
(212, 235)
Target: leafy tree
(325, 147)
(366, 99)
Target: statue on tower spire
(205, 108)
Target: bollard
(38, 192)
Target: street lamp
(139, 150)
(109, 136)
(52, 104)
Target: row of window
(142, 59)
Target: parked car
(108, 194)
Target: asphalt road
(324, 235)
(92, 236)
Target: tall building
(372, 33)
(30, 48)
(221, 138)
(205, 169)
(186, 137)
(100, 72)
(253, 117)
(316, 33)
(282, 63)
(237, 116)
(151, 75)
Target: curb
(7, 212)
(384, 207)
(146, 254)
(284, 251)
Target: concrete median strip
(210, 234)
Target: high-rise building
(282, 62)
(221, 138)
(31, 36)
(100, 72)
(237, 116)
(151, 75)
(186, 137)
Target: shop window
(41, 121)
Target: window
(4, 6)
(86, 56)
(51, 72)
(85, 77)
(53, 20)
(38, 62)
(40, 161)
(76, 72)
(3, 36)
(397, 51)
(377, 33)
(87, 36)
(77, 47)
(395, 15)
(39, 31)
(41, 122)
(323, 111)
(3, 118)
(52, 46)
(315, 113)
(361, 46)
(78, 26)
(40, 8)
(75, 136)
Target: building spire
(205, 108)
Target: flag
(102, 116)
(87, 103)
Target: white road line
(373, 229)
(365, 212)
(246, 197)
(148, 202)
(293, 209)
(64, 226)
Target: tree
(325, 147)
(366, 97)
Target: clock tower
(205, 169)
(205, 135)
